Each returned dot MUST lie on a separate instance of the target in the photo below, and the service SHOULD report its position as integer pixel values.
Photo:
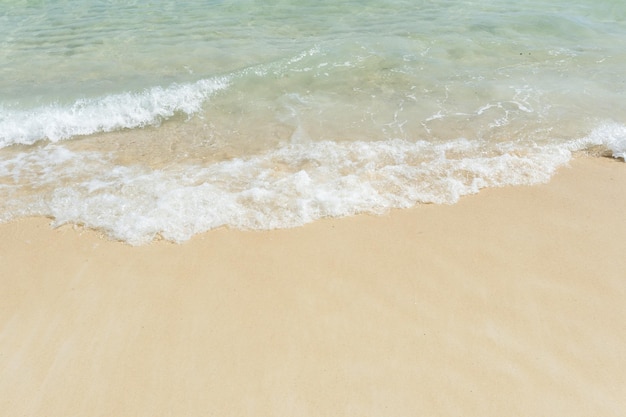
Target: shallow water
(164, 118)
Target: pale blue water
(145, 118)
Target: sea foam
(610, 135)
(287, 187)
(104, 114)
(613, 136)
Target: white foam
(105, 114)
(287, 187)
(613, 136)
(609, 134)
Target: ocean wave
(613, 136)
(105, 114)
(610, 135)
(288, 186)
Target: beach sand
(510, 303)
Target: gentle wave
(105, 114)
(287, 187)
(613, 136)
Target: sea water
(162, 119)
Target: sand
(509, 303)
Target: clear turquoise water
(162, 118)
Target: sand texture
(509, 303)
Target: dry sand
(510, 303)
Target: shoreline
(506, 303)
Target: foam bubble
(105, 114)
(287, 187)
(611, 135)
